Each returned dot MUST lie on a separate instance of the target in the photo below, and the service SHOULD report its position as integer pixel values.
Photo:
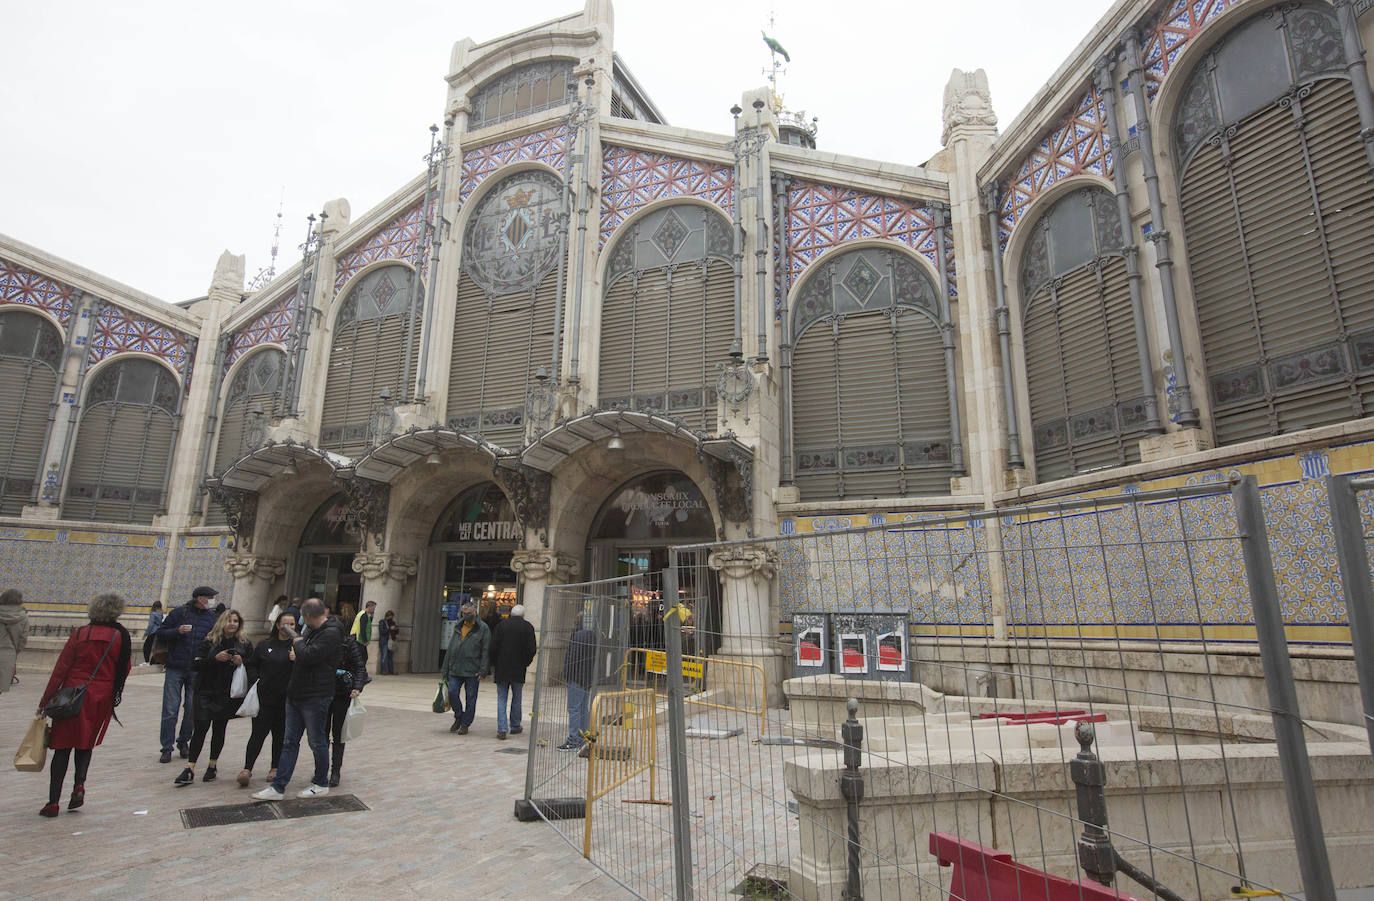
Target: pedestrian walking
(512, 649)
(222, 652)
(387, 633)
(270, 667)
(308, 696)
(96, 656)
(182, 631)
(349, 679)
(14, 634)
(465, 662)
(579, 671)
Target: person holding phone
(222, 652)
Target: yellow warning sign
(657, 662)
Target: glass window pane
(508, 102)
(540, 93)
(522, 98)
(1071, 233)
(1252, 68)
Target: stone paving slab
(440, 824)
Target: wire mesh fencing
(1086, 699)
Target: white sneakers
(268, 794)
(313, 791)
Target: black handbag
(66, 702)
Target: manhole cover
(229, 814)
(511, 751)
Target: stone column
(384, 577)
(253, 576)
(748, 635)
(538, 567)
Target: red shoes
(49, 810)
(78, 797)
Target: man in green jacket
(465, 661)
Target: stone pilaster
(538, 567)
(384, 577)
(253, 577)
(748, 635)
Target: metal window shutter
(365, 357)
(867, 401)
(617, 342)
(1045, 388)
(121, 456)
(29, 387)
(649, 338)
(815, 423)
(923, 400)
(334, 411)
(469, 342)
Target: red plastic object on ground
(986, 874)
(1052, 717)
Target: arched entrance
(323, 564)
(632, 533)
(468, 558)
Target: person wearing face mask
(182, 632)
(466, 660)
(270, 666)
(223, 651)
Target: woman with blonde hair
(223, 651)
(14, 633)
(96, 656)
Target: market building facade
(584, 335)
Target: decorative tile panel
(117, 330)
(1165, 40)
(394, 241)
(632, 178)
(824, 216)
(548, 146)
(273, 325)
(19, 285)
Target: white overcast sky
(141, 138)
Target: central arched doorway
(323, 564)
(631, 535)
(468, 558)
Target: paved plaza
(440, 823)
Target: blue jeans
(177, 692)
(515, 690)
(464, 713)
(385, 662)
(579, 712)
(309, 716)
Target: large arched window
(368, 356)
(503, 326)
(124, 444)
(870, 389)
(1087, 402)
(30, 362)
(249, 404)
(520, 91)
(1278, 211)
(667, 318)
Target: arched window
(124, 444)
(1087, 402)
(368, 356)
(520, 91)
(870, 389)
(503, 326)
(1278, 211)
(667, 318)
(30, 363)
(249, 404)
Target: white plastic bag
(249, 707)
(239, 687)
(353, 721)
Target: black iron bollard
(1095, 853)
(852, 788)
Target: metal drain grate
(257, 812)
(511, 751)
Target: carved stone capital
(539, 564)
(744, 561)
(251, 566)
(374, 566)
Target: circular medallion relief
(512, 238)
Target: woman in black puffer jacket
(349, 679)
(270, 665)
(222, 652)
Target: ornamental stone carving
(540, 564)
(968, 104)
(251, 566)
(744, 561)
(375, 566)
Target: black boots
(335, 764)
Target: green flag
(775, 46)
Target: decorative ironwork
(734, 385)
(529, 490)
(240, 511)
(512, 239)
(369, 501)
(733, 483)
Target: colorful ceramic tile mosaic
(117, 329)
(546, 146)
(1078, 144)
(824, 216)
(1165, 40)
(632, 178)
(394, 241)
(200, 561)
(273, 326)
(19, 285)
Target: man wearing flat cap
(182, 632)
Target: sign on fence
(657, 662)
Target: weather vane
(777, 50)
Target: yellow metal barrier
(712, 682)
(621, 744)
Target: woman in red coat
(98, 654)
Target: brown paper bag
(33, 750)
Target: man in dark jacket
(579, 671)
(181, 633)
(466, 661)
(512, 648)
(308, 696)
